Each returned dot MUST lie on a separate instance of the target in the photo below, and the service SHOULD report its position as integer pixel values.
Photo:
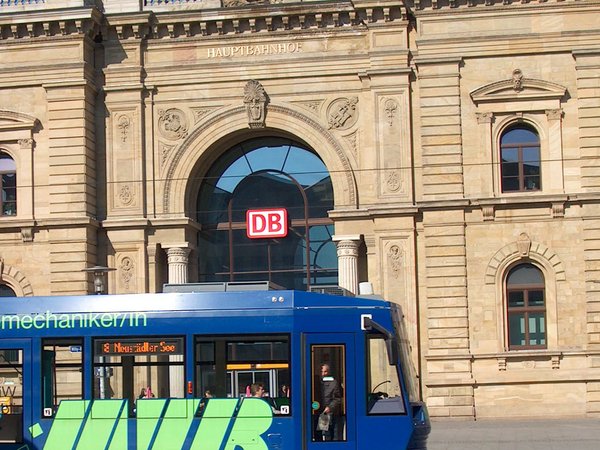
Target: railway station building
(445, 151)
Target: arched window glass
(260, 174)
(526, 307)
(520, 159)
(8, 188)
(6, 291)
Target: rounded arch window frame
(306, 221)
(527, 261)
(504, 126)
(222, 129)
(551, 281)
(15, 280)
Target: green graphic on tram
(164, 424)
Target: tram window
(9, 355)
(384, 395)
(328, 367)
(133, 368)
(226, 366)
(62, 372)
(11, 397)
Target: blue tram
(182, 370)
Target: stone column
(347, 252)
(177, 258)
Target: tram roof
(198, 301)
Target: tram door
(330, 416)
(15, 391)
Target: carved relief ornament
(255, 100)
(127, 270)
(395, 255)
(390, 107)
(123, 124)
(172, 124)
(393, 181)
(342, 113)
(524, 244)
(126, 195)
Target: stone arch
(230, 126)
(513, 252)
(524, 119)
(13, 277)
(523, 250)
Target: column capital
(178, 252)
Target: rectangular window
(228, 366)
(384, 395)
(9, 355)
(11, 397)
(516, 326)
(62, 373)
(9, 194)
(139, 367)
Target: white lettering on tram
(49, 320)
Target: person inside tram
(328, 421)
(257, 390)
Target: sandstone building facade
(446, 151)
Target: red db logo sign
(266, 223)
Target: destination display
(137, 346)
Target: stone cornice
(183, 23)
(505, 202)
(84, 21)
(317, 16)
(427, 7)
(10, 222)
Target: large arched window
(526, 307)
(259, 174)
(520, 156)
(8, 188)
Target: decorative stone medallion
(172, 124)
(342, 113)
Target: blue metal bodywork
(304, 317)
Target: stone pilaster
(588, 84)
(441, 128)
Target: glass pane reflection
(259, 174)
